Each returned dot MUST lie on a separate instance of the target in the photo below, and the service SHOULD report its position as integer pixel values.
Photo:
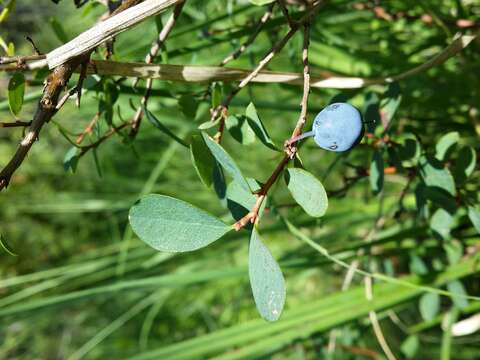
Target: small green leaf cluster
(173, 225)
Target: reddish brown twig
(162, 36)
(284, 9)
(20, 59)
(219, 114)
(108, 134)
(252, 216)
(263, 20)
(88, 129)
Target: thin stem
(252, 216)
(162, 36)
(263, 20)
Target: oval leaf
(441, 223)
(376, 172)
(445, 144)
(429, 306)
(307, 191)
(173, 225)
(226, 161)
(435, 174)
(16, 91)
(257, 126)
(266, 280)
(474, 216)
(202, 159)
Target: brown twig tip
(15, 124)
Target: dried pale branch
(189, 73)
(375, 323)
(162, 36)
(105, 30)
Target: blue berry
(338, 127)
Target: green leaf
(465, 164)
(457, 288)
(429, 306)
(266, 279)
(202, 159)
(16, 91)
(417, 266)
(188, 106)
(5, 247)
(238, 127)
(441, 223)
(261, 2)
(445, 145)
(454, 251)
(372, 111)
(173, 225)
(410, 346)
(307, 191)
(58, 29)
(257, 126)
(155, 122)
(219, 183)
(376, 172)
(226, 161)
(409, 148)
(240, 201)
(70, 161)
(474, 216)
(217, 90)
(7, 10)
(441, 198)
(435, 174)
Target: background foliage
(84, 285)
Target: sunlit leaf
(202, 159)
(266, 279)
(238, 127)
(376, 172)
(429, 306)
(173, 225)
(70, 161)
(258, 127)
(307, 191)
(16, 92)
(474, 216)
(435, 174)
(456, 287)
(445, 144)
(226, 161)
(441, 223)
